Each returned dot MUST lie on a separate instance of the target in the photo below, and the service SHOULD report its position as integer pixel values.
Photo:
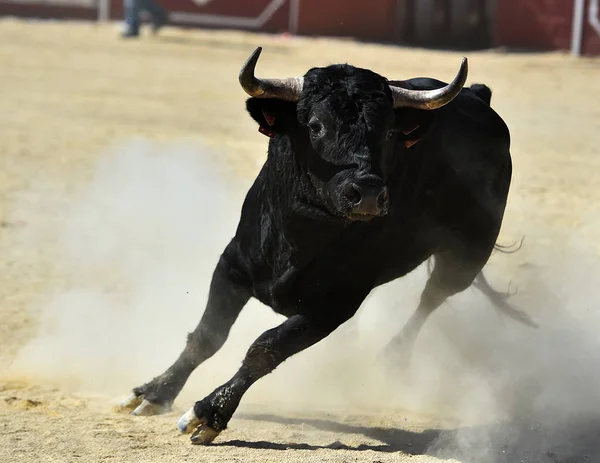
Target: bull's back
(466, 167)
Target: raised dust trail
(138, 244)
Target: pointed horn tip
(463, 71)
(246, 75)
(252, 59)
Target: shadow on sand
(574, 440)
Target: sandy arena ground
(71, 91)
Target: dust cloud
(137, 247)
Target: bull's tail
(483, 92)
(500, 301)
(511, 248)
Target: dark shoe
(159, 21)
(128, 34)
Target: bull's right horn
(288, 89)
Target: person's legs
(132, 18)
(158, 14)
(133, 8)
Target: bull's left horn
(431, 99)
(288, 89)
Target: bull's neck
(304, 225)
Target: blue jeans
(133, 8)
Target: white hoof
(148, 408)
(188, 422)
(131, 402)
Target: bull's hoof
(147, 408)
(130, 403)
(202, 434)
(138, 406)
(188, 422)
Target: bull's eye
(315, 127)
(389, 134)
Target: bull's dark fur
(296, 249)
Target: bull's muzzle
(366, 201)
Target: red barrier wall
(48, 10)
(220, 13)
(372, 20)
(541, 24)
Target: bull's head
(342, 123)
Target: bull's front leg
(227, 296)
(208, 417)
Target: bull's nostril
(353, 195)
(382, 199)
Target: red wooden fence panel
(541, 24)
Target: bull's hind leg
(451, 274)
(226, 299)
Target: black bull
(365, 179)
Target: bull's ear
(272, 115)
(413, 124)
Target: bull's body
(449, 194)
(355, 192)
